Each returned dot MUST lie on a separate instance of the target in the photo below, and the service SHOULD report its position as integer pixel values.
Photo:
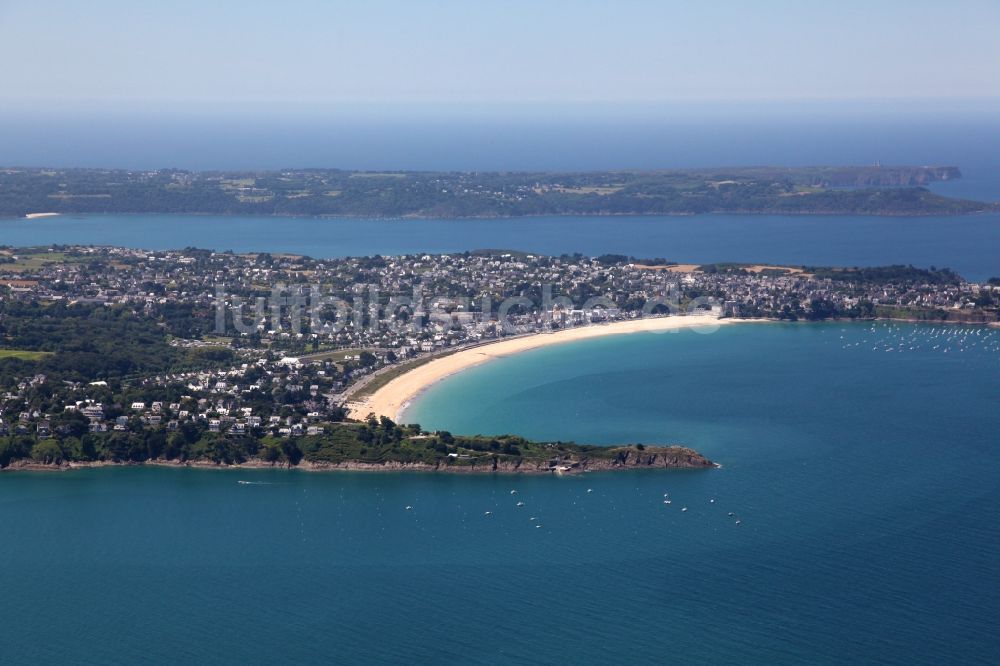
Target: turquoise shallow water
(865, 481)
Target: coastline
(359, 217)
(623, 458)
(392, 399)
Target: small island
(850, 190)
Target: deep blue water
(865, 482)
(865, 479)
(967, 244)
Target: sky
(183, 54)
(498, 84)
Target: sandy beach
(391, 399)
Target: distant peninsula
(850, 190)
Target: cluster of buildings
(301, 331)
(374, 301)
(259, 398)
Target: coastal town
(193, 348)
(627, 332)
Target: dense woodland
(83, 343)
(373, 442)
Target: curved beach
(391, 399)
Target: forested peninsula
(371, 445)
(871, 190)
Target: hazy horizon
(618, 138)
(521, 85)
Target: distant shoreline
(818, 190)
(395, 397)
(357, 217)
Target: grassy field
(23, 354)
(36, 260)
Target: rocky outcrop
(660, 456)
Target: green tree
(47, 451)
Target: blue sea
(860, 460)
(967, 244)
